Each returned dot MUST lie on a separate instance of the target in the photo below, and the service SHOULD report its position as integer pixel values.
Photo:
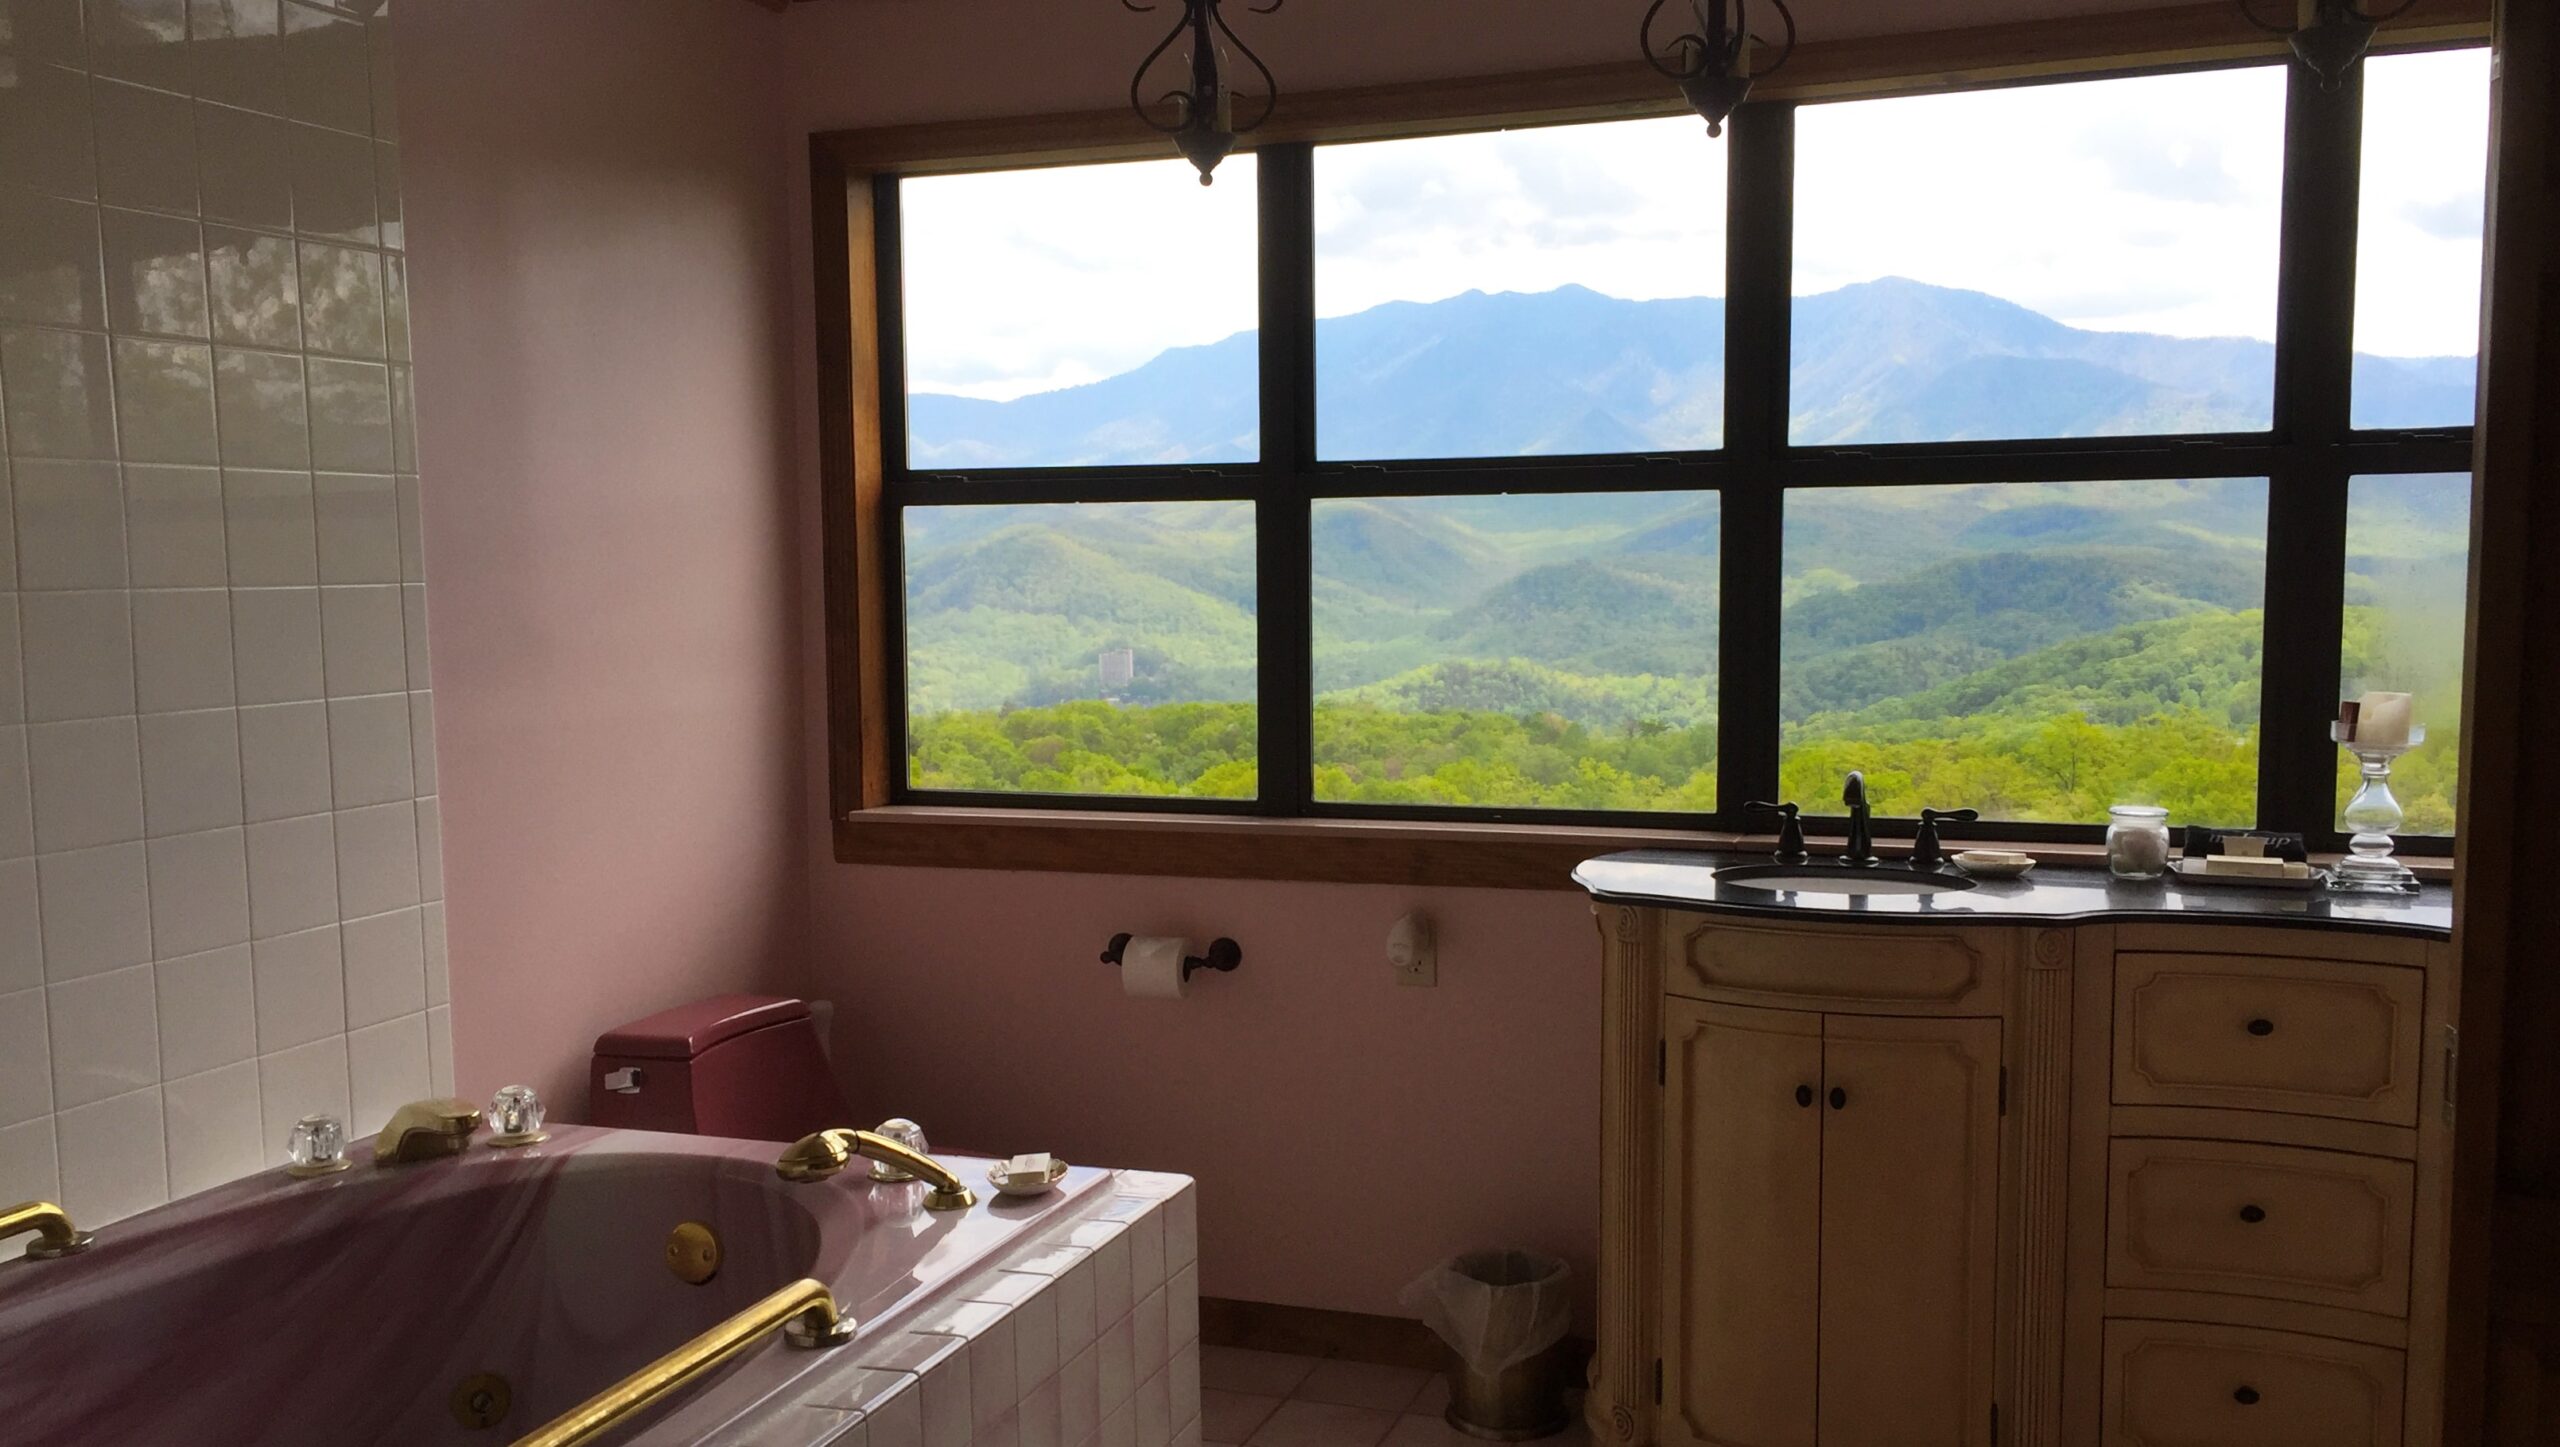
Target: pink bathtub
(351, 1308)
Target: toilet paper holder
(1224, 955)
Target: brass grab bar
(56, 1236)
(805, 1307)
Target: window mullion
(1759, 262)
(888, 300)
(1283, 570)
(2307, 497)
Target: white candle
(2382, 720)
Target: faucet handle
(1790, 830)
(1926, 851)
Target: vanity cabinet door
(1910, 1185)
(1742, 1184)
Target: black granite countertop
(1683, 879)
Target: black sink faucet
(1861, 849)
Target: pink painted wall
(595, 201)
(1346, 1132)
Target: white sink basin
(1830, 879)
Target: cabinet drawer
(1912, 969)
(2175, 1384)
(2320, 1227)
(2308, 1037)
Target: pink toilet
(747, 1066)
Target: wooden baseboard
(1352, 1336)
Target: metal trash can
(1504, 1315)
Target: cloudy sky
(2145, 204)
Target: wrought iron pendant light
(1201, 115)
(1714, 64)
(2329, 36)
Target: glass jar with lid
(2137, 841)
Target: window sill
(1330, 851)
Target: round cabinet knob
(2253, 1214)
(1804, 1095)
(1839, 1098)
(2262, 1028)
(2246, 1396)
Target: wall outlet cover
(1412, 952)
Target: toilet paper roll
(1151, 967)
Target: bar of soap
(1032, 1167)
(2242, 864)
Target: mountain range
(1572, 371)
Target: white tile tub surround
(1028, 1354)
(220, 889)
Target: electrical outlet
(1412, 952)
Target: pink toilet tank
(744, 1066)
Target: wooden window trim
(1324, 851)
(1867, 66)
(857, 362)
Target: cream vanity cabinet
(2062, 1183)
(1829, 1186)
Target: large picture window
(2034, 448)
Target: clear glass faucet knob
(317, 1146)
(515, 1116)
(906, 1133)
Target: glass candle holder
(2137, 841)
(2373, 814)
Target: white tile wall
(220, 882)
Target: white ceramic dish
(1026, 1185)
(1994, 863)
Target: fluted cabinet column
(1620, 1408)
(2042, 1093)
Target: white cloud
(1021, 281)
(2138, 204)
(2426, 157)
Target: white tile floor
(1269, 1399)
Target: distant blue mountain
(1572, 371)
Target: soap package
(2204, 842)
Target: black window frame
(2308, 456)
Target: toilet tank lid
(688, 1030)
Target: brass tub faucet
(56, 1236)
(426, 1130)
(815, 1157)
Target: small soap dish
(1031, 1185)
(1994, 863)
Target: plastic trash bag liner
(1495, 1309)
